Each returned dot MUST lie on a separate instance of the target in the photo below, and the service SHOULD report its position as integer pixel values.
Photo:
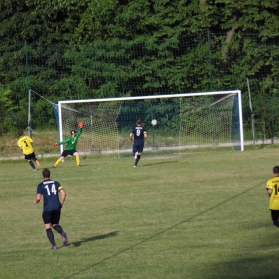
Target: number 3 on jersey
(53, 190)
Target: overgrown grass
(201, 215)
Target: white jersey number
(53, 190)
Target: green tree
(6, 104)
(90, 48)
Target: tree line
(68, 49)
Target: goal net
(185, 122)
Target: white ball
(154, 122)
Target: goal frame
(236, 92)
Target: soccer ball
(154, 122)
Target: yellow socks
(78, 160)
(58, 162)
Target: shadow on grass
(160, 163)
(61, 166)
(93, 238)
(172, 227)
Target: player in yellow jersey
(25, 145)
(272, 187)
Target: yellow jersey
(273, 184)
(25, 144)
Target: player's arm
(79, 132)
(19, 145)
(37, 199)
(62, 142)
(69, 139)
(269, 192)
(145, 134)
(63, 196)
(131, 136)
(80, 126)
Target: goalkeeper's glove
(55, 144)
(80, 124)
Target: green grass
(202, 215)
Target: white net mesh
(184, 123)
(100, 134)
(207, 122)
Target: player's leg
(135, 152)
(47, 216)
(32, 165)
(58, 161)
(77, 158)
(57, 227)
(37, 163)
(34, 158)
(275, 217)
(64, 154)
(139, 151)
(137, 159)
(28, 157)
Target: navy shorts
(138, 147)
(51, 217)
(65, 153)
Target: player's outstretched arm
(80, 125)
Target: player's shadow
(93, 238)
(160, 163)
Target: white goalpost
(187, 122)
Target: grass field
(202, 215)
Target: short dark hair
(73, 132)
(139, 122)
(46, 173)
(20, 133)
(276, 169)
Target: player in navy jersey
(50, 190)
(139, 133)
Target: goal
(187, 122)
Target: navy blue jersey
(138, 132)
(50, 191)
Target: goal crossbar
(96, 116)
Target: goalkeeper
(70, 148)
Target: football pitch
(199, 215)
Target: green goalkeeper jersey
(71, 141)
